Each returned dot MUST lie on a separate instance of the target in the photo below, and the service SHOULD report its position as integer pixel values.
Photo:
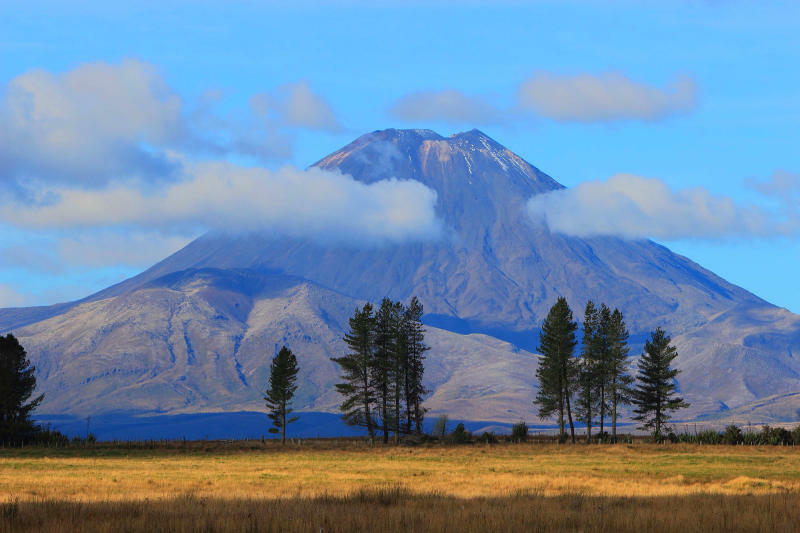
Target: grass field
(347, 485)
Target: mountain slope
(496, 271)
(193, 332)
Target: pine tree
(557, 371)
(619, 378)
(280, 391)
(399, 366)
(385, 324)
(17, 383)
(416, 348)
(655, 394)
(358, 369)
(587, 379)
(602, 368)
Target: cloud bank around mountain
(109, 153)
(313, 203)
(636, 207)
(583, 98)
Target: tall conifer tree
(557, 371)
(416, 348)
(656, 395)
(281, 389)
(602, 367)
(619, 378)
(399, 365)
(587, 375)
(385, 324)
(358, 389)
(17, 384)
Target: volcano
(194, 333)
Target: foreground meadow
(346, 485)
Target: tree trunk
(385, 411)
(571, 425)
(417, 417)
(407, 393)
(602, 409)
(397, 416)
(589, 424)
(614, 415)
(283, 424)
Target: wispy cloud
(10, 297)
(107, 247)
(296, 105)
(449, 106)
(586, 98)
(604, 98)
(635, 207)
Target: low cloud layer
(314, 203)
(634, 207)
(585, 98)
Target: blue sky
(355, 61)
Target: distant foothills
(184, 347)
(382, 388)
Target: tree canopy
(17, 385)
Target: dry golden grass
(393, 511)
(309, 471)
(351, 486)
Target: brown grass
(349, 486)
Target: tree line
(383, 370)
(592, 386)
(381, 373)
(382, 378)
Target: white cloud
(446, 106)
(313, 203)
(106, 248)
(587, 98)
(10, 297)
(604, 98)
(635, 207)
(88, 124)
(104, 122)
(296, 105)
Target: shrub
(460, 435)
(440, 426)
(519, 432)
(775, 436)
(752, 438)
(46, 436)
(733, 435)
(709, 436)
(488, 438)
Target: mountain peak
(474, 133)
(434, 160)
